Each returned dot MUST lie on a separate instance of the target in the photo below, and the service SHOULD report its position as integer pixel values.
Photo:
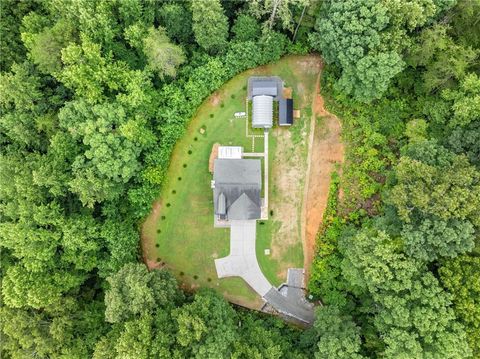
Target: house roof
(285, 112)
(238, 183)
(262, 111)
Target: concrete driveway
(242, 260)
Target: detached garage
(262, 111)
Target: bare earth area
(148, 239)
(325, 150)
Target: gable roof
(238, 183)
(265, 85)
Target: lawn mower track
(325, 150)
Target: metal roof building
(262, 111)
(236, 193)
(285, 112)
(265, 85)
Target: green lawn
(184, 234)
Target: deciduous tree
(210, 25)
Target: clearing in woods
(179, 232)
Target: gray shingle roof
(240, 182)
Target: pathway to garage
(242, 262)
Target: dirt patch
(287, 92)
(325, 150)
(148, 236)
(310, 65)
(215, 99)
(213, 156)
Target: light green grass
(186, 239)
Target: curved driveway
(242, 262)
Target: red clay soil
(325, 150)
(148, 235)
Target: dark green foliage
(460, 277)
(134, 291)
(440, 60)
(11, 46)
(210, 25)
(177, 20)
(336, 335)
(411, 312)
(245, 28)
(86, 134)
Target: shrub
(195, 277)
(189, 152)
(159, 231)
(168, 204)
(157, 245)
(184, 165)
(163, 218)
(173, 191)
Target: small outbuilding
(232, 152)
(262, 111)
(285, 112)
(262, 85)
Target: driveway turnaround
(242, 262)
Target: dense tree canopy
(95, 94)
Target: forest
(95, 94)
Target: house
(285, 112)
(237, 184)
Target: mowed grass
(184, 236)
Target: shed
(233, 152)
(262, 111)
(285, 112)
